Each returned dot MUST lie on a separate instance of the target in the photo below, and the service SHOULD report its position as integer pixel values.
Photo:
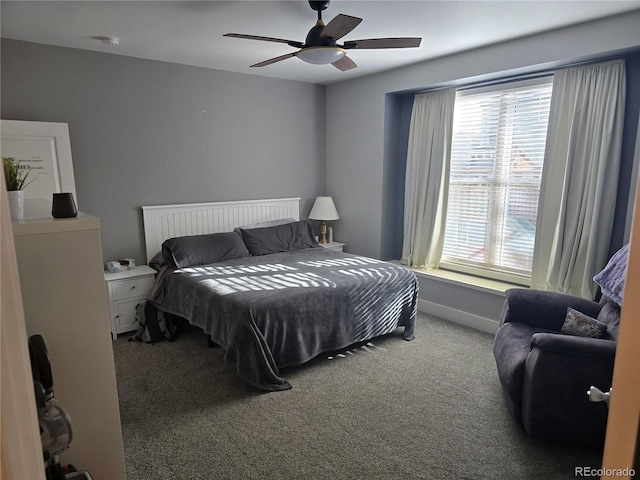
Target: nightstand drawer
(333, 246)
(132, 287)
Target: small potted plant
(15, 177)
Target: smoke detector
(111, 41)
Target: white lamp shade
(321, 55)
(324, 209)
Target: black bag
(153, 324)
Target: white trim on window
(494, 179)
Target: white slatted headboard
(167, 221)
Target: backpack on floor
(153, 324)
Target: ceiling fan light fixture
(321, 55)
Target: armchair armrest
(542, 309)
(558, 372)
(573, 345)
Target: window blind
(497, 156)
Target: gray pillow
(157, 262)
(610, 316)
(279, 238)
(192, 250)
(579, 324)
(268, 223)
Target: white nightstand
(333, 246)
(125, 290)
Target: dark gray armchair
(546, 374)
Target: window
(497, 155)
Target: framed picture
(45, 149)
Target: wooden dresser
(61, 277)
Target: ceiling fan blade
(344, 64)
(292, 43)
(340, 26)
(274, 60)
(403, 42)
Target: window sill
(444, 297)
(469, 281)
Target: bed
(260, 286)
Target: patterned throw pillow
(579, 324)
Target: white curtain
(580, 179)
(426, 178)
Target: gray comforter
(278, 310)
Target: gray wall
(146, 133)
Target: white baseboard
(458, 316)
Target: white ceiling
(190, 32)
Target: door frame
(619, 455)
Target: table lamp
(323, 209)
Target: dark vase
(64, 206)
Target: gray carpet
(431, 408)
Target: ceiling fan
(320, 47)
